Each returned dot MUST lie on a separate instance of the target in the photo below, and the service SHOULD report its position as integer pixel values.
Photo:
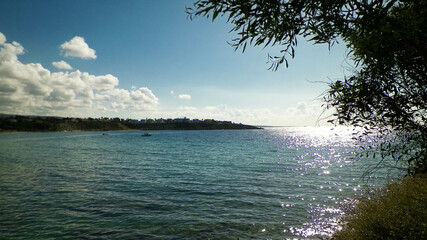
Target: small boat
(146, 135)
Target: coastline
(123, 130)
(16, 124)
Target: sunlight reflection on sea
(276, 183)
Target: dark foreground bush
(398, 211)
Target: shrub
(397, 211)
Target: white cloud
(32, 89)
(11, 51)
(77, 47)
(2, 38)
(188, 110)
(142, 99)
(62, 65)
(172, 92)
(184, 96)
(302, 114)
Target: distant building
(181, 120)
(160, 120)
(132, 121)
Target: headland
(18, 123)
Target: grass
(398, 211)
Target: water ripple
(264, 184)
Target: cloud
(11, 51)
(62, 65)
(77, 47)
(32, 89)
(2, 38)
(172, 92)
(303, 109)
(184, 96)
(142, 99)
(302, 114)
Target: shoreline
(121, 130)
(15, 123)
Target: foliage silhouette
(387, 93)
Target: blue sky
(146, 59)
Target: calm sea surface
(275, 183)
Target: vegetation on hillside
(397, 211)
(44, 124)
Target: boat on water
(146, 135)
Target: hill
(10, 123)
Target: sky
(146, 59)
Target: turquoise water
(275, 183)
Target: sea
(273, 183)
